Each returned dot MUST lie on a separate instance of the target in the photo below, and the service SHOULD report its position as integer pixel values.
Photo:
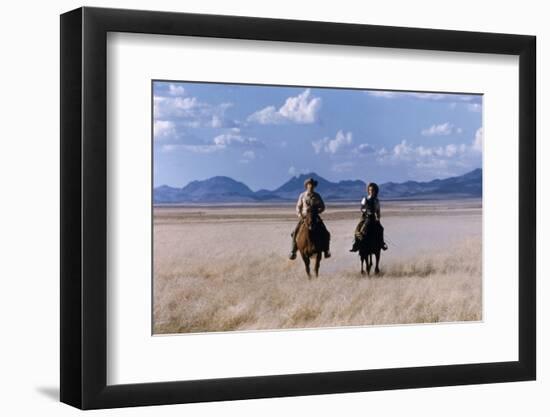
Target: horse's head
(310, 220)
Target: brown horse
(371, 244)
(312, 239)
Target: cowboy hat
(310, 181)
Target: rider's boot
(293, 250)
(355, 246)
(384, 245)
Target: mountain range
(222, 189)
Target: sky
(263, 135)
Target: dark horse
(371, 244)
(312, 239)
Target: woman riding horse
(370, 219)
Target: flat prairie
(225, 268)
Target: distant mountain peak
(469, 184)
(222, 189)
(303, 177)
(309, 174)
(297, 182)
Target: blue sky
(263, 135)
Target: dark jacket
(371, 208)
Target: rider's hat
(310, 181)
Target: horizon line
(314, 173)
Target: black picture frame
(84, 207)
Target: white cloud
(424, 151)
(332, 146)
(216, 121)
(428, 96)
(183, 104)
(477, 144)
(397, 94)
(468, 97)
(292, 171)
(404, 151)
(474, 107)
(442, 129)
(453, 150)
(208, 148)
(247, 156)
(301, 109)
(426, 161)
(383, 94)
(382, 152)
(364, 149)
(220, 143)
(176, 90)
(165, 107)
(231, 139)
(164, 129)
(190, 111)
(472, 101)
(268, 115)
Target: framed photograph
(257, 208)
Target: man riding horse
(308, 202)
(370, 207)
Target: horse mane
(312, 238)
(371, 242)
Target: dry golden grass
(234, 275)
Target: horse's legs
(306, 263)
(362, 270)
(369, 263)
(377, 255)
(317, 263)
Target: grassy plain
(225, 268)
